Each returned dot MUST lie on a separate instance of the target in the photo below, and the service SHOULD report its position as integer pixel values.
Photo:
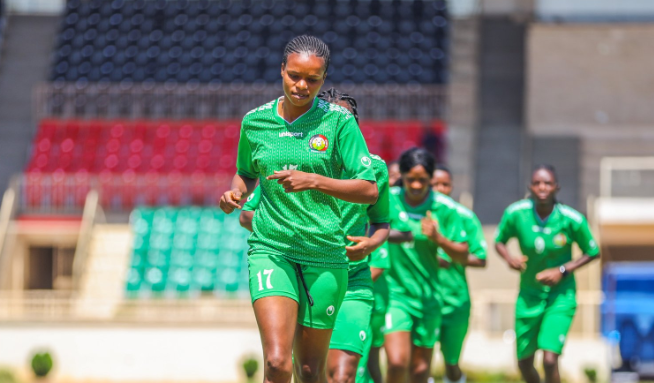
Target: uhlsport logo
(318, 143)
(362, 335)
(291, 134)
(330, 310)
(366, 161)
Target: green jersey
(303, 227)
(413, 276)
(547, 243)
(356, 218)
(453, 282)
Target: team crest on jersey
(318, 143)
(560, 240)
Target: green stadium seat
(156, 278)
(182, 252)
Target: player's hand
(229, 201)
(294, 180)
(429, 227)
(518, 263)
(361, 248)
(443, 263)
(549, 277)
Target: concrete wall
(594, 82)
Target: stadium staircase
(25, 62)
(101, 285)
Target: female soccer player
(545, 230)
(353, 320)
(393, 173)
(422, 221)
(453, 282)
(308, 155)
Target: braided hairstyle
(334, 96)
(307, 44)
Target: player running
(308, 155)
(353, 320)
(453, 282)
(545, 230)
(422, 221)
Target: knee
(278, 368)
(420, 371)
(550, 361)
(342, 376)
(308, 374)
(398, 363)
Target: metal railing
(61, 193)
(492, 310)
(222, 101)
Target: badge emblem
(318, 143)
(330, 310)
(560, 240)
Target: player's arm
(505, 231)
(473, 261)
(476, 242)
(366, 245)
(458, 251)
(376, 273)
(582, 235)
(245, 178)
(246, 219)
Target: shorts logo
(560, 240)
(562, 338)
(250, 197)
(383, 253)
(362, 335)
(318, 143)
(330, 310)
(366, 161)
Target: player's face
(543, 186)
(416, 183)
(442, 182)
(393, 173)
(302, 76)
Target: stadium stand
(165, 162)
(232, 41)
(186, 251)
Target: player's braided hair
(549, 168)
(307, 44)
(332, 95)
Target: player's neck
(544, 210)
(290, 112)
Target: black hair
(547, 167)
(444, 168)
(307, 44)
(417, 156)
(332, 95)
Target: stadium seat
(171, 40)
(190, 250)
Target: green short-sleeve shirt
(453, 281)
(303, 227)
(547, 244)
(413, 276)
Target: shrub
(42, 364)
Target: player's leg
(555, 326)
(527, 369)
(397, 342)
(551, 367)
(452, 336)
(273, 287)
(424, 336)
(377, 328)
(421, 364)
(326, 290)
(528, 316)
(349, 336)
